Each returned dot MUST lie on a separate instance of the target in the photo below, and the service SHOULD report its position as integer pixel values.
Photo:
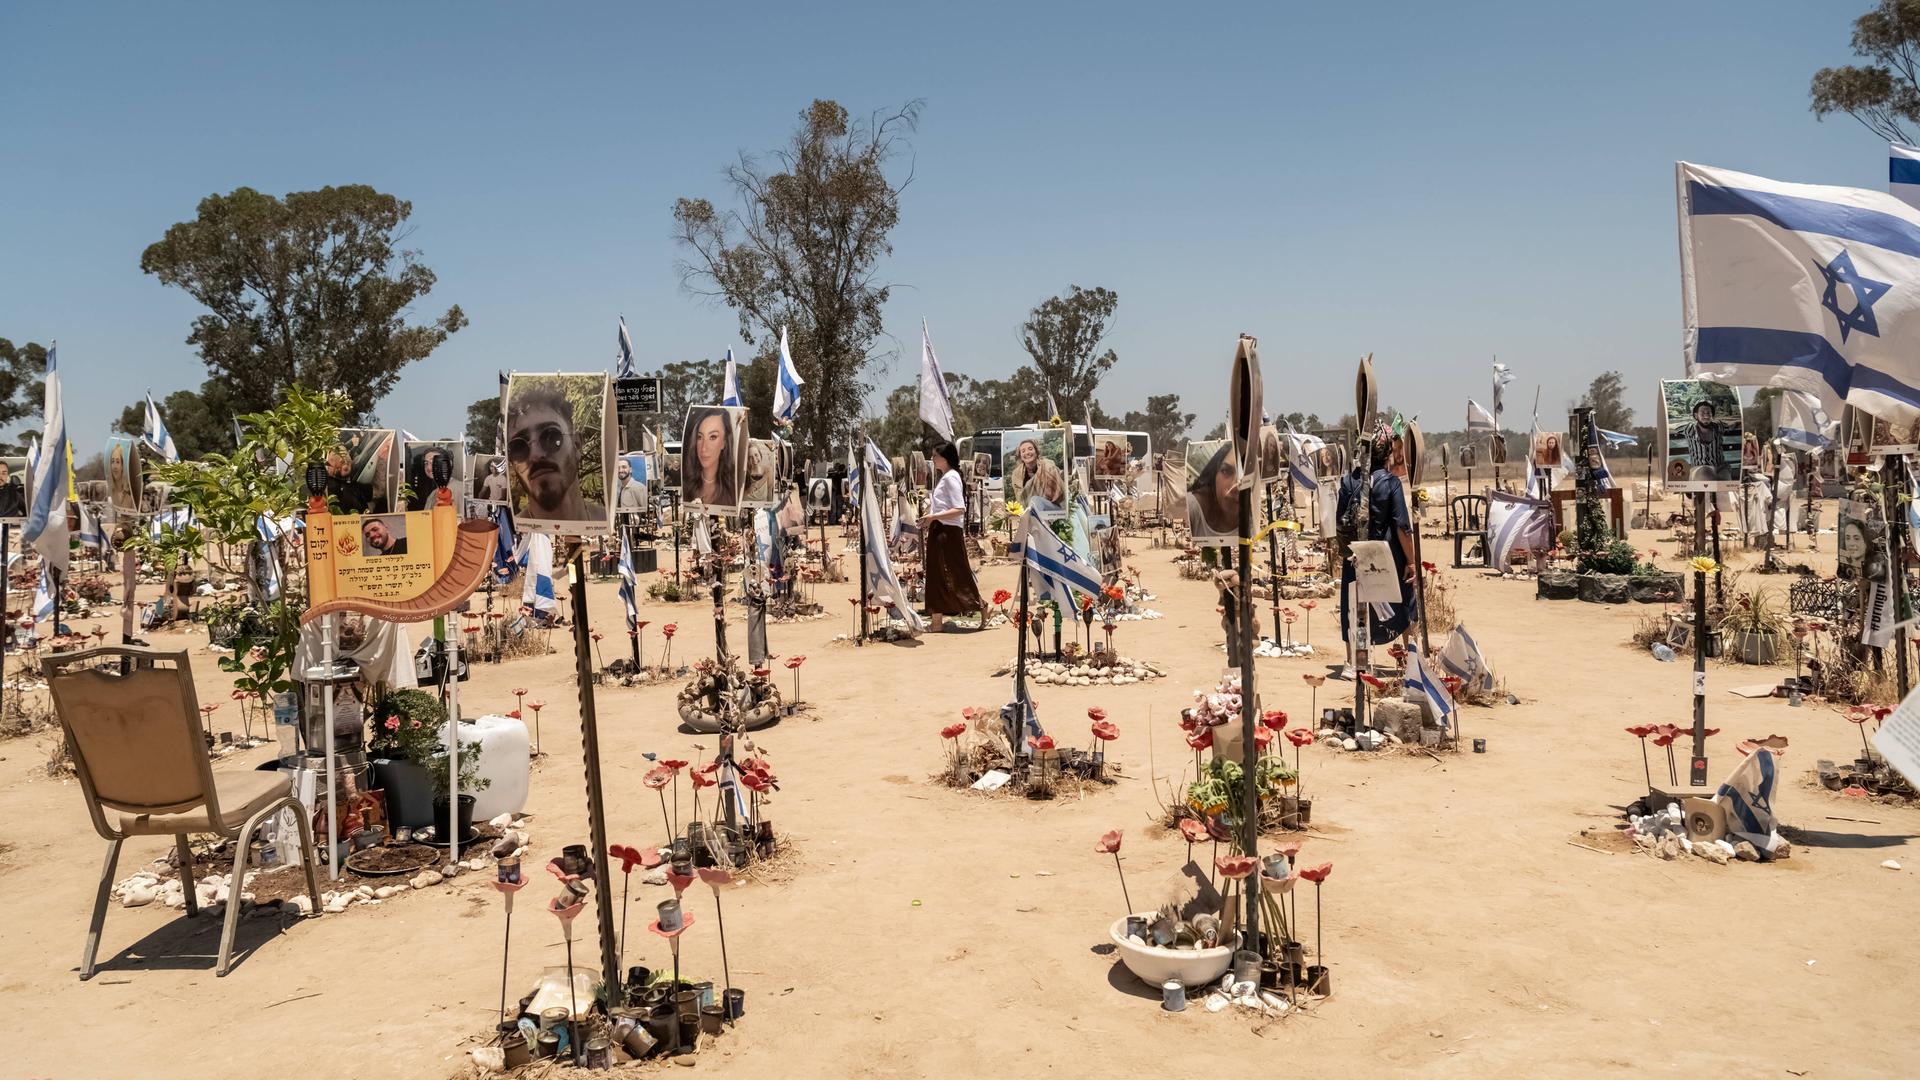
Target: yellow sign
(403, 567)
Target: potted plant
(406, 739)
(470, 780)
(1753, 627)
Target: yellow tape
(1290, 526)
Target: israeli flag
(173, 519)
(1801, 286)
(155, 435)
(1461, 658)
(46, 528)
(92, 533)
(1431, 692)
(537, 590)
(1059, 574)
(882, 468)
(1601, 477)
(43, 597)
(269, 530)
(935, 407)
(1748, 798)
(1502, 375)
(629, 585)
(1514, 524)
(883, 585)
(625, 369)
(1300, 451)
(730, 389)
(786, 385)
(1803, 421)
(1478, 419)
(1903, 173)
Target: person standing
(1387, 519)
(951, 589)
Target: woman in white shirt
(951, 589)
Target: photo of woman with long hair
(713, 456)
(1034, 474)
(1213, 504)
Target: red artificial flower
(953, 731)
(1041, 745)
(1708, 733)
(853, 600)
(1300, 737)
(1262, 736)
(1313, 680)
(1235, 867)
(596, 635)
(676, 766)
(794, 662)
(1858, 714)
(1291, 849)
(709, 769)
(1308, 604)
(641, 625)
(1109, 842)
(519, 691)
(515, 714)
(1317, 874)
(1429, 567)
(1373, 681)
(715, 876)
(1663, 739)
(1194, 831)
(1274, 718)
(1000, 597)
(1201, 739)
(536, 706)
(1641, 731)
(1881, 712)
(670, 629)
(1096, 714)
(657, 778)
(761, 672)
(754, 781)
(679, 882)
(1105, 731)
(629, 857)
(701, 779)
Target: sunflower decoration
(1704, 564)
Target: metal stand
(590, 751)
(1696, 766)
(1250, 754)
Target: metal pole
(326, 721)
(1719, 593)
(1896, 474)
(1699, 663)
(453, 735)
(1360, 634)
(590, 751)
(1250, 754)
(866, 490)
(6, 587)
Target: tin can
(670, 915)
(1173, 996)
(599, 1053)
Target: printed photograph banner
(1700, 435)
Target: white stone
(364, 892)
(301, 904)
(1713, 853)
(655, 876)
(426, 878)
(139, 896)
(338, 905)
(385, 892)
(1891, 864)
(1349, 744)
(502, 821)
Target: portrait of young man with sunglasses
(544, 453)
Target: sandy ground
(1468, 937)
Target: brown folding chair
(132, 723)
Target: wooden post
(590, 751)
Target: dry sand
(1468, 937)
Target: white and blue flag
(1801, 286)
(92, 533)
(730, 388)
(1903, 173)
(1461, 658)
(935, 407)
(503, 547)
(155, 435)
(1430, 691)
(625, 370)
(1502, 375)
(1516, 523)
(1616, 438)
(46, 528)
(1803, 421)
(1300, 451)
(43, 597)
(629, 585)
(536, 590)
(1478, 419)
(786, 385)
(883, 584)
(1059, 574)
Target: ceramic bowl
(1154, 966)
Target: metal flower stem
(1318, 954)
(626, 880)
(664, 820)
(573, 1001)
(676, 803)
(1645, 766)
(726, 972)
(506, 944)
(1123, 879)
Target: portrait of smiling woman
(713, 450)
(557, 462)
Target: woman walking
(951, 589)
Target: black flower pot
(409, 789)
(442, 829)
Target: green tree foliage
(483, 425)
(1063, 335)
(802, 249)
(1607, 396)
(683, 384)
(1885, 92)
(1162, 420)
(201, 422)
(311, 290)
(23, 390)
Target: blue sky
(1434, 184)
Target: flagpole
(866, 486)
(1896, 472)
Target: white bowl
(1155, 966)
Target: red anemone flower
(1881, 712)
(1235, 867)
(1373, 681)
(629, 857)
(1042, 744)
(1291, 849)
(754, 781)
(1640, 731)
(596, 635)
(1000, 597)
(1262, 737)
(1663, 739)
(1300, 737)
(701, 779)
(1201, 739)
(657, 778)
(953, 731)
(1096, 714)
(519, 691)
(675, 766)
(670, 629)
(642, 625)
(715, 876)
(1314, 680)
(1194, 831)
(762, 672)
(1105, 731)
(1317, 874)
(794, 662)
(1274, 718)
(1109, 842)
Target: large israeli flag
(536, 590)
(46, 528)
(730, 389)
(935, 407)
(1059, 574)
(1300, 451)
(1803, 421)
(1801, 286)
(786, 385)
(1903, 173)
(1478, 419)
(155, 435)
(625, 370)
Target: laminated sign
(401, 567)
